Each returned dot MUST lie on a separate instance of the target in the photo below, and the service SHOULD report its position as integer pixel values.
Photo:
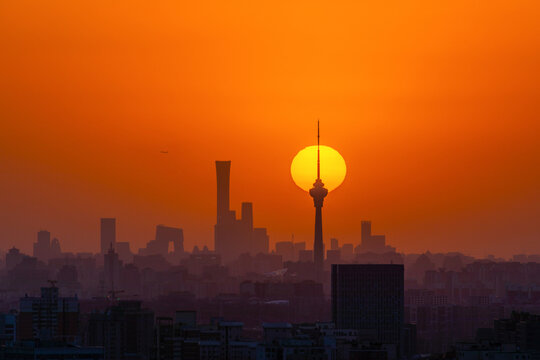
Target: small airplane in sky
(164, 152)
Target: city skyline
(162, 181)
(365, 242)
(439, 127)
(308, 238)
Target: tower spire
(318, 192)
(318, 153)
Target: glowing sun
(304, 167)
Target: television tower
(318, 192)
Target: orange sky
(434, 106)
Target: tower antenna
(318, 154)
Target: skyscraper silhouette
(373, 243)
(223, 173)
(108, 234)
(168, 234)
(318, 192)
(165, 235)
(42, 248)
(49, 317)
(232, 236)
(223, 230)
(111, 269)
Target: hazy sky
(434, 106)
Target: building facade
(369, 297)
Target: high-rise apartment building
(48, 317)
(124, 330)
(112, 266)
(369, 297)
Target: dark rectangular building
(125, 331)
(223, 174)
(108, 234)
(42, 248)
(369, 297)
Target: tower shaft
(318, 246)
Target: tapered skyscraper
(318, 192)
(233, 236)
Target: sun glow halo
(304, 167)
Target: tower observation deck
(318, 192)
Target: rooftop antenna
(318, 153)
